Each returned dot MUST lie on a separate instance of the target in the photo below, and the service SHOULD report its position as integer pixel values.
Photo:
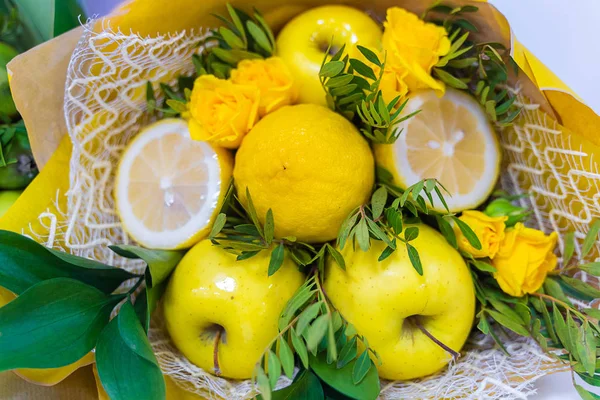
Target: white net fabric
(105, 108)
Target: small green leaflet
(276, 260)
(160, 262)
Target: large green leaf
(306, 386)
(52, 324)
(160, 262)
(24, 263)
(126, 364)
(342, 379)
(45, 19)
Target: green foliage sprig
(391, 214)
(72, 298)
(326, 345)
(241, 37)
(548, 316)
(480, 68)
(238, 230)
(352, 90)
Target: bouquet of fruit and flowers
(310, 203)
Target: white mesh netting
(105, 108)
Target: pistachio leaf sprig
(241, 37)
(174, 99)
(352, 90)
(549, 316)
(239, 231)
(390, 215)
(480, 68)
(324, 342)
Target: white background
(564, 35)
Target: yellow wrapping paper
(148, 17)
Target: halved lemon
(451, 140)
(169, 188)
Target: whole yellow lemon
(309, 165)
(303, 42)
(218, 307)
(387, 301)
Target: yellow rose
(489, 231)
(221, 112)
(524, 259)
(272, 78)
(392, 85)
(413, 47)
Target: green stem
(563, 304)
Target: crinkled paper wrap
(551, 154)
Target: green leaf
(468, 233)
(581, 287)
(276, 260)
(252, 212)
(286, 356)
(415, 260)
(300, 348)
(339, 81)
(483, 266)
(306, 386)
(237, 22)
(411, 233)
(590, 239)
(449, 79)
(274, 368)
(218, 225)
(346, 228)
(302, 295)
(307, 316)
(362, 68)
(234, 41)
(126, 363)
(386, 252)
(483, 326)
(263, 383)
(463, 23)
(592, 312)
(369, 55)
(508, 322)
(316, 332)
(52, 324)
(394, 219)
(592, 268)
(337, 256)
(362, 235)
(348, 353)
(560, 327)
(361, 367)
(586, 348)
(160, 262)
(259, 36)
(378, 201)
(24, 263)
(269, 227)
(44, 19)
(342, 379)
(331, 69)
(586, 395)
(573, 332)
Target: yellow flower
(392, 85)
(489, 231)
(413, 47)
(524, 259)
(221, 112)
(272, 78)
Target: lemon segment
(169, 187)
(451, 140)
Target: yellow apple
(215, 302)
(302, 43)
(387, 302)
(7, 199)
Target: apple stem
(435, 340)
(216, 352)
